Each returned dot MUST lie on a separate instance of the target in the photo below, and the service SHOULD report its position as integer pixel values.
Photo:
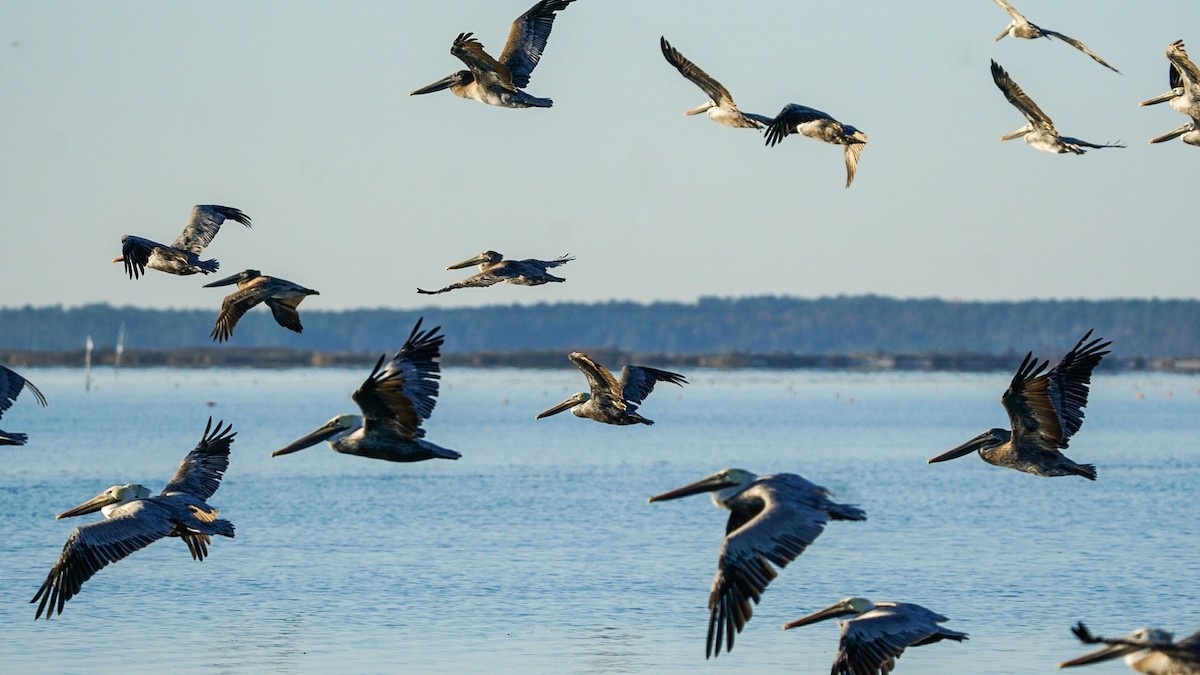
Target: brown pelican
(879, 633)
(394, 399)
(1044, 410)
(1184, 77)
(11, 385)
(493, 269)
(134, 520)
(1040, 132)
(772, 519)
(1146, 650)
(183, 256)
(281, 295)
(502, 82)
(798, 119)
(720, 107)
(1020, 27)
(613, 401)
(1188, 132)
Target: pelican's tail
(220, 526)
(208, 266)
(845, 512)
(526, 101)
(1088, 471)
(444, 453)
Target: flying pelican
(613, 401)
(1044, 410)
(1188, 132)
(493, 269)
(1020, 27)
(281, 295)
(798, 119)
(502, 82)
(879, 633)
(1146, 650)
(394, 399)
(11, 385)
(720, 107)
(1040, 132)
(772, 519)
(183, 256)
(1184, 77)
(134, 520)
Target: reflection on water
(538, 552)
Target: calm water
(538, 552)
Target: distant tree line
(759, 325)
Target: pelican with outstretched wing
(182, 257)
(133, 520)
(610, 400)
(282, 296)
(1147, 650)
(1045, 408)
(11, 385)
(395, 398)
(772, 519)
(493, 269)
(1039, 132)
(798, 119)
(720, 107)
(502, 83)
(1020, 27)
(878, 633)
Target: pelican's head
(702, 108)
(1018, 133)
(573, 400)
(117, 494)
(1141, 639)
(1190, 125)
(992, 438)
(458, 79)
(485, 258)
(724, 484)
(846, 607)
(1176, 92)
(333, 430)
(239, 278)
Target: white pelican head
(332, 431)
(702, 108)
(107, 500)
(845, 607)
(724, 486)
(485, 258)
(571, 401)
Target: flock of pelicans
(772, 518)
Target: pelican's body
(798, 119)
(282, 296)
(610, 400)
(134, 520)
(1152, 651)
(183, 256)
(1020, 27)
(394, 400)
(772, 520)
(1044, 411)
(720, 107)
(1184, 78)
(1039, 133)
(11, 385)
(502, 83)
(493, 269)
(879, 633)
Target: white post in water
(87, 365)
(120, 349)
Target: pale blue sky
(117, 117)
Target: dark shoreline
(270, 357)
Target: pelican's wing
(715, 90)
(487, 71)
(235, 305)
(851, 151)
(136, 253)
(547, 264)
(604, 387)
(11, 385)
(1077, 45)
(1012, 11)
(1051, 404)
(638, 381)
(527, 40)
(789, 118)
(130, 527)
(397, 396)
(777, 534)
(1019, 99)
(285, 312)
(1183, 72)
(872, 642)
(200, 472)
(205, 223)
(480, 280)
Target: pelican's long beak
(1017, 134)
(711, 484)
(224, 282)
(700, 108)
(327, 431)
(1179, 131)
(1003, 33)
(832, 612)
(565, 405)
(469, 262)
(964, 449)
(441, 84)
(1106, 653)
(90, 506)
(1162, 98)
(119, 259)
